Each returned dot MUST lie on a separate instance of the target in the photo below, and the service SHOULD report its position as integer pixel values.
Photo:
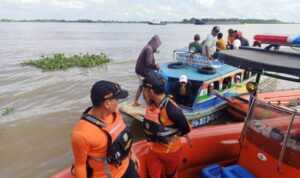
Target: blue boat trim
(205, 108)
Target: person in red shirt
(164, 123)
(101, 142)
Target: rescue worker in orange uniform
(164, 123)
(101, 142)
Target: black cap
(103, 90)
(216, 29)
(156, 82)
(230, 31)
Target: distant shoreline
(184, 21)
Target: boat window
(237, 78)
(183, 93)
(212, 86)
(226, 83)
(216, 85)
(247, 74)
(267, 128)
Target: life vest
(119, 138)
(119, 142)
(157, 125)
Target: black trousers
(131, 172)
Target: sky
(147, 10)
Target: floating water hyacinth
(7, 111)
(60, 61)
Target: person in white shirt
(210, 47)
(237, 42)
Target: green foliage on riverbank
(232, 21)
(60, 61)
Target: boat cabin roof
(263, 61)
(192, 73)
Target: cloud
(66, 4)
(164, 7)
(98, 1)
(285, 10)
(206, 3)
(29, 1)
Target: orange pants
(157, 162)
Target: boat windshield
(275, 130)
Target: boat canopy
(264, 61)
(192, 73)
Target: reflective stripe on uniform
(115, 128)
(106, 167)
(93, 120)
(169, 131)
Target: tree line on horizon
(184, 21)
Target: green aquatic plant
(7, 111)
(60, 61)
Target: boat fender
(207, 70)
(176, 65)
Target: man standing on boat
(209, 49)
(164, 123)
(101, 143)
(145, 64)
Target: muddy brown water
(35, 136)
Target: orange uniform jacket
(90, 140)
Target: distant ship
(216, 21)
(199, 22)
(157, 22)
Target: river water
(35, 136)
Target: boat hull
(284, 98)
(197, 117)
(162, 23)
(212, 144)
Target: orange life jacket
(119, 139)
(157, 125)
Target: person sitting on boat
(237, 42)
(226, 84)
(181, 90)
(101, 142)
(237, 81)
(230, 38)
(256, 44)
(164, 123)
(145, 64)
(196, 46)
(221, 45)
(210, 88)
(209, 47)
(244, 41)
